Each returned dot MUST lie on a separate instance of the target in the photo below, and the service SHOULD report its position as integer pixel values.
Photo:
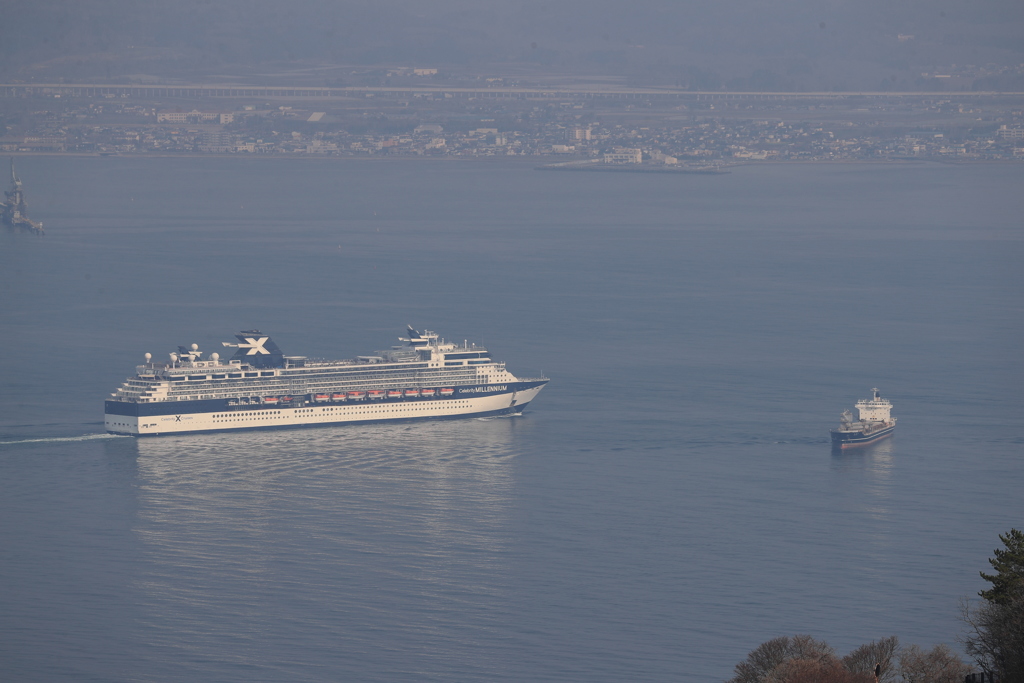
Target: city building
(217, 142)
(578, 134)
(1008, 133)
(194, 116)
(624, 155)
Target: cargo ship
(259, 387)
(873, 424)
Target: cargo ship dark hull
(854, 439)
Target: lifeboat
(412, 393)
(446, 392)
(271, 400)
(427, 393)
(394, 393)
(375, 393)
(286, 399)
(356, 395)
(320, 398)
(338, 397)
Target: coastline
(523, 159)
(597, 167)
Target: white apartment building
(624, 155)
(194, 116)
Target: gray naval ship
(13, 211)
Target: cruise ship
(259, 387)
(873, 423)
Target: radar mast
(13, 211)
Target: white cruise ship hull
(153, 419)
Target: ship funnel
(417, 340)
(257, 349)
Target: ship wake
(63, 439)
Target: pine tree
(1009, 566)
(995, 637)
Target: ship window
(472, 354)
(267, 374)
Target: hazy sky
(794, 40)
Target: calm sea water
(669, 501)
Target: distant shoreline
(597, 167)
(525, 159)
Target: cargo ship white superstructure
(874, 422)
(260, 388)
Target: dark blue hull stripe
(846, 440)
(492, 413)
(218, 405)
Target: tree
(1009, 566)
(768, 656)
(939, 665)
(829, 670)
(995, 638)
(880, 653)
(802, 659)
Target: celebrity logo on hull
(484, 390)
